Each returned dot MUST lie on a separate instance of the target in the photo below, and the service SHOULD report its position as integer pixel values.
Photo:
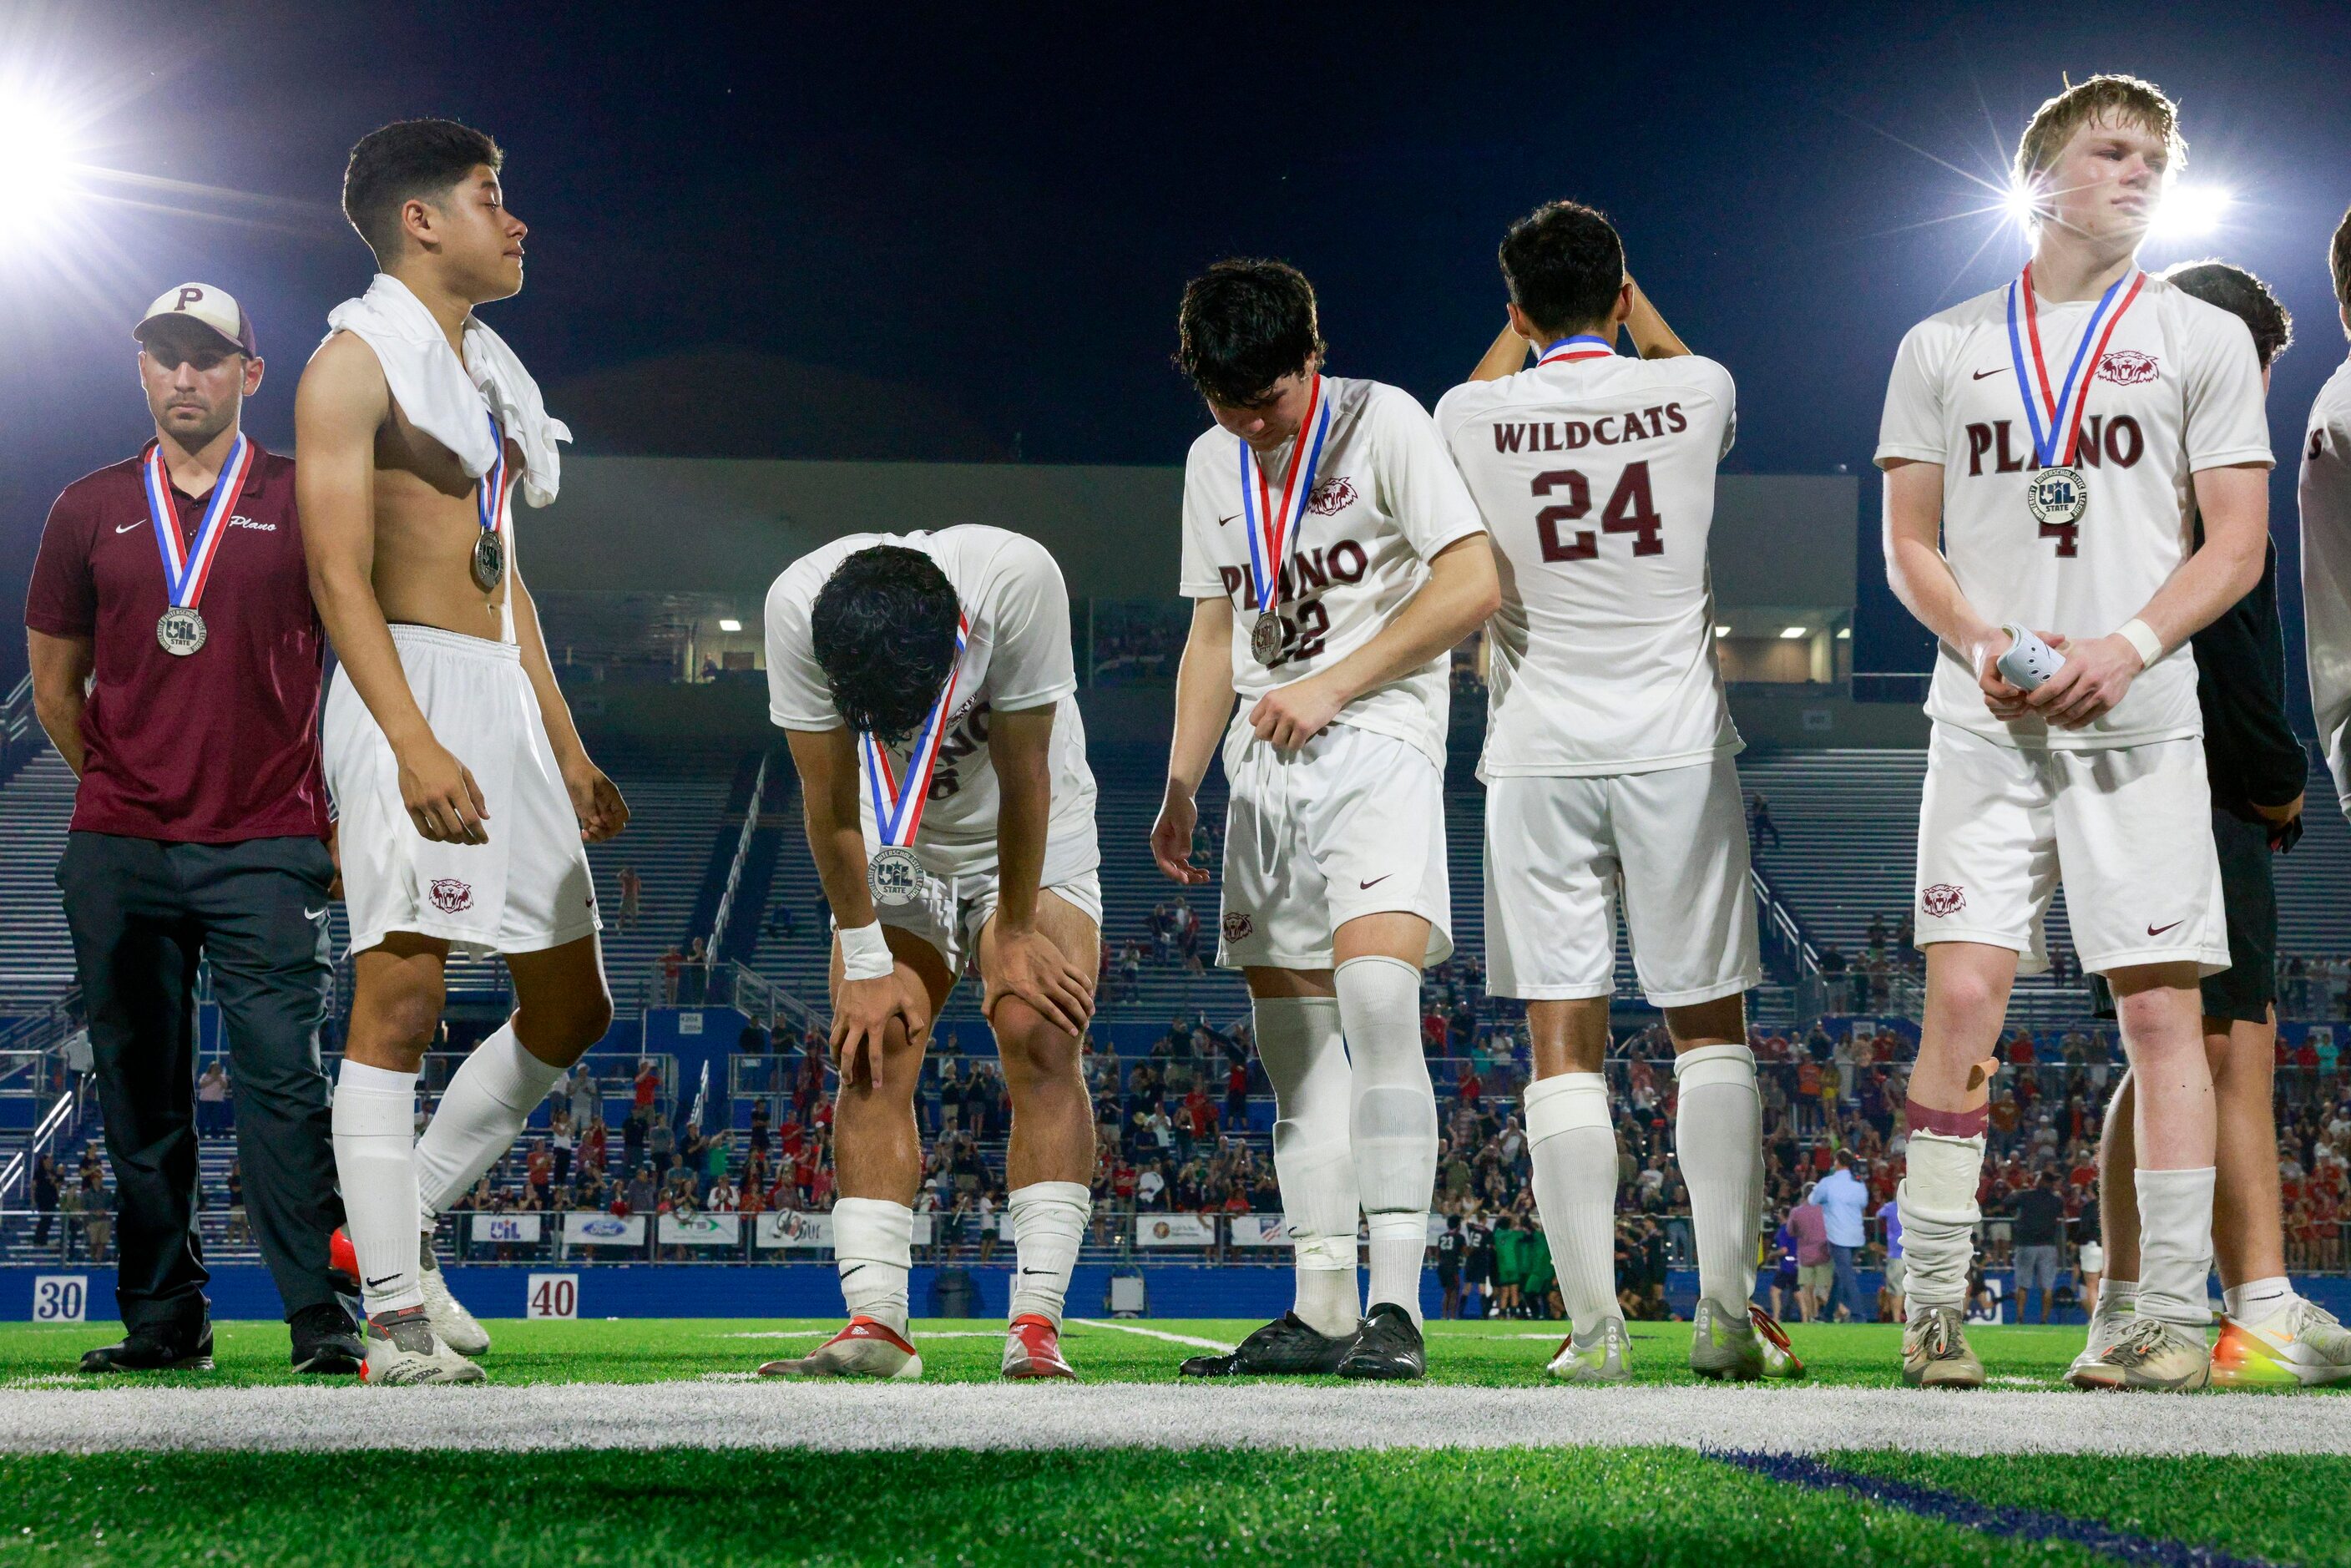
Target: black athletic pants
(141, 912)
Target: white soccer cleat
(402, 1349)
(2299, 1345)
(455, 1327)
(2105, 1328)
(864, 1349)
(1596, 1357)
(2151, 1354)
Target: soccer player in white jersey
(1609, 749)
(2053, 435)
(2326, 506)
(928, 690)
(1333, 558)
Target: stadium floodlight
(1720, 632)
(37, 167)
(730, 625)
(2191, 212)
(2018, 204)
(1844, 634)
(1788, 633)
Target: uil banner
(506, 1227)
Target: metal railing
(742, 853)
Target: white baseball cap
(211, 306)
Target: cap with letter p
(204, 303)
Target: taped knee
(1940, 1183)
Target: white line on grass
(833, 1416)
(1154, 1333)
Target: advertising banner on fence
(1256, 1230)
(506, 1227)
(1174, 1230)
(603, 1230)
(702, 1230)
(790, 1227)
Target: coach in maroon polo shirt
(176, 578)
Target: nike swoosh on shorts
(2157, 931)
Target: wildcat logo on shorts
(450, 896)
(1943, 899)
(1239, 927)
(2128, 367)
(1331, 498)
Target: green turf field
(1561, 1502)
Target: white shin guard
(1937, 1202)
(1573, 1143)
(480, 1115)
(2175, 1244)
(1048, 1221)
(1393, 1125)
(873, 1248)
(1717, 1128)
(1298, 1039)
(374, 1122)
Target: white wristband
(2140, 635)
(864, 953)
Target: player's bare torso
(427, 523)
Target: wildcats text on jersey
(1605, 430)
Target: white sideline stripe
(869, 1416)
(1154, 1333)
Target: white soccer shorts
(2128, 831)
(1559, 849)
(959, 891)
(527, 890)
(1349, 824)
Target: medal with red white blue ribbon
(1273, 532)
(492, 505)
(895, 872)
(2058, 494)
(1582, 346)
(188, 564)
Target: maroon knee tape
(1947, 1123)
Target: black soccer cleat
(1287, 1347)
(1388, 1346)
(326, 1340)
(155, 1350)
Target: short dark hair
(2339, 261)
(884, 631)
(406, 159)
(1245, 324)
(1565, 266)
(2242, 295)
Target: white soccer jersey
(2179, 389)
(1596, 478)
(1017, 657)
(2325, 497)
(1385, 499)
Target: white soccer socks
(1392, 1123)
(1572, 1144)
(374, 1122)
(494, 1093)
(873, 1248)
(2175, 1244)
(1298, 1039)
(1048, 1221)
(1716, 1131)
(1937, 1201)
(2258, 1301)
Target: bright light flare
(37, 167)
(2017, 203)
(2191, 212)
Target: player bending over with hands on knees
(1334, 560)
(927, 687)
(2053, 435)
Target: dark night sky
(999, 206)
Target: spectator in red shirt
(188, 711)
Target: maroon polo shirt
(221, 746)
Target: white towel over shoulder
(446, 399)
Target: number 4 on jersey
(1630, 510)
